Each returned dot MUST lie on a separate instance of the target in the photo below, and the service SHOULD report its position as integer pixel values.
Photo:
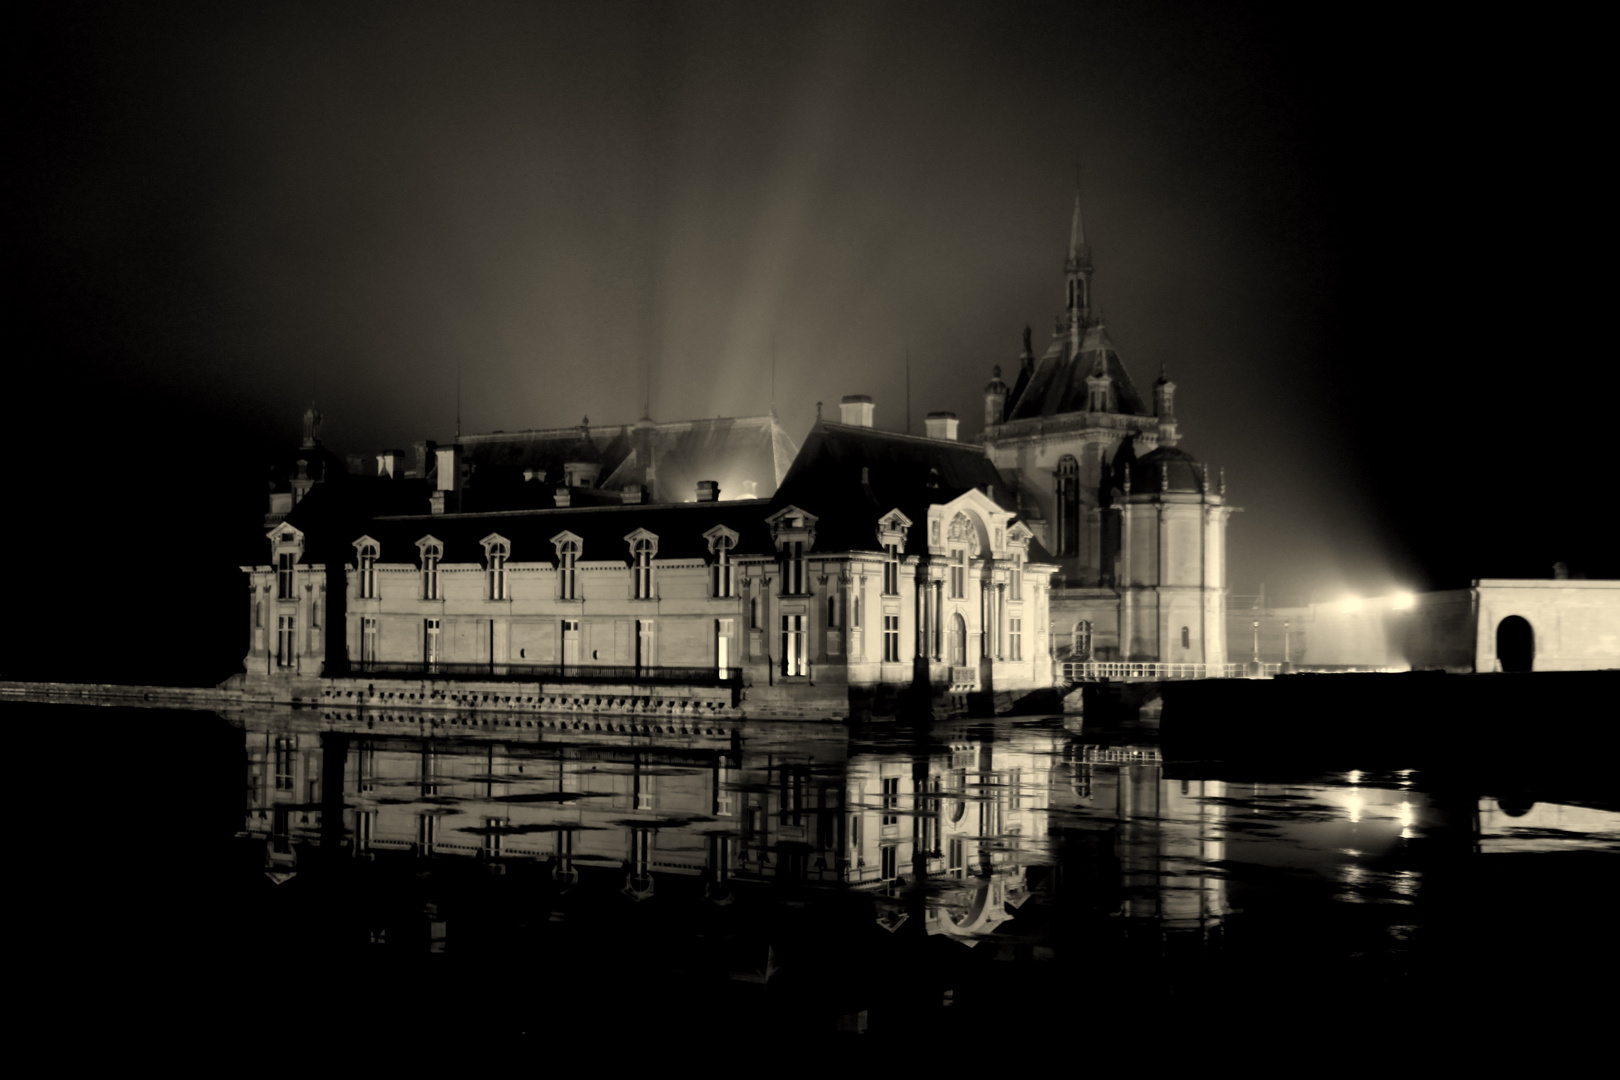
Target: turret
(1164, 407)
(995, 399)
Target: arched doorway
(958, 641)
(1515, 644)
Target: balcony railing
(559, 673)
(1094, 670)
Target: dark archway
(1515, 644)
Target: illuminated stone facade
(1135, 525)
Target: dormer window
(722, 572)
(496, 550)
(568, 548)
(432, 551)
(794, 532)
(366, 579)
(285, 561)
(891, 536)
(643, 549)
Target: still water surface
(807, 878)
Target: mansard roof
(849, 477)
(1058, 384)
(680, 529)
(500, 458)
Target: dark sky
(1321, 222)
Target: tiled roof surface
(1059, 382)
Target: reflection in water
(811, 878)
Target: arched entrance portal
(1515, 644)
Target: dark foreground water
(281, 872)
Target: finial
(584, 421)
(995, 372)
(818, 412)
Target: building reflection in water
(758, 852)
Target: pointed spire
(1077, 230)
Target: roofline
(902, 435)
(568, 510)
(601, 429)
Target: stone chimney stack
(708, 491)
(391, 463)
(856, 410)
(942, 425)
(446, 498)
(564, 496)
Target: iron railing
(560, 673)
(1094, 670)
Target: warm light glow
(1354, 804)
(1350, 605)
(1401, 601)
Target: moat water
(527, 882)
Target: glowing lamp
(1350, 606)
(1401, 601)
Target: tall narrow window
(891, 638)
(832, 611)
(495, 570)
(793, 568)
(1186, 638)
(1015, 639)
(284, 575)
(958, 574)
(891, 800)
(890, 862)
(891, 569)
(368, 640)
(286, 750)
(793, 651)
(430, 643)
(368, 571)
(1081, 644)
(567, 580)
(643, 550)
(753, 613)
(723, 582)
(430, 571)
(1015, 578)
(286, 641)
(1068, 505)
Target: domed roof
(1149, 471)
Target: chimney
(563, 498)
(424, 453)
(357, 464)
(708, 491)
(447, 494)
(942, 425)
(391, 463)
(856, 410)
(632, 494)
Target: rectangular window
(958, 575)
(724, 799)
(753, 613)
(365, 827)
(286, 751)
(891, 862)
(427, 832)
(793, 651)
(1015, 578)
(891, 800)
(368, 573)
(1015, 639)
(953, 857)
(793, 568)
(492, 837)
(284, 575)
(891, 570)
(368, 640)
(286, 641)
(891, 638)
(430, 642)
(368, 770)
(855, 612)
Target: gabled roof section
(1059, 382)
(850, 477)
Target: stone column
(1001, 618)
(939, 617)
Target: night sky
(1323, 223)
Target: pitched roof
(1059, 382)
(501, 457)
(848, 477)
(732, 451)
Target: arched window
(1081, 640)
(1186, 638)
(1067, 484)
(430, 571)
(368, 570)
(723, 580)
(958, 640)
(567, 574)
(495, 568)
(643, 549)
